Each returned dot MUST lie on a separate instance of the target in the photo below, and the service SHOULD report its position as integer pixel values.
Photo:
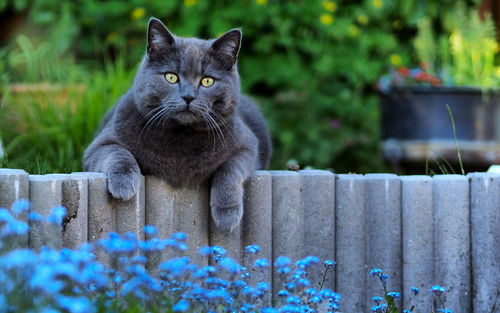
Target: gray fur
(184, 133)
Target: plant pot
(417, 128)
(420, 113)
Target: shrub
(311, 65)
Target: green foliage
(466, 53)
(47, 130)
(311, 65)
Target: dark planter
(419, 113)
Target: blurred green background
(312, 66)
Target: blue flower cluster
(52, 281)
(389, 299)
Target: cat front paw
(123, 186)
(227, 218)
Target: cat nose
(188, 98)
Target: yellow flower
(261, 2)
(395, 59)
(330, 6)
(190, 3)
(137, 13)
(363, 19)
(326, 19)
(378, 3)
(353, 30)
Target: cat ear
(227, 46)
(159, 37)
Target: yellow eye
(171, 78)
(207, 81)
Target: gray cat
(184, 120)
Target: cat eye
(171, 78)
(207, 81)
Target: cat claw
(227, 218)
(123, 186)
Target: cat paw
(227, 218)
(123, 186)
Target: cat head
(187, 81)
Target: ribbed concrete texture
(101, 216)
(257, 225)
(318, 209)
(230, 241)
(418, 237)
(131, 214)
(383, 225)
(75, 199)
(14, 186)
(174, 210)
(485, 236)
(45, 193)
(350, 238)
(287, 220)
(452, 240)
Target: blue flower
(176, 266)
(282, 261)
(261, 263)
(394, 294)
(304, 282)
(379, 308)
(150, 230)
(377, 300)
(181, 306)
(5, 216)
(15, 228)
(436, 289)
(290, 286)
(263, 286)
(74, 304)
(230, 265)
(415, 290)
(20, 206)
(205, 251)
(284, 270)
(34, 216)
(384, 278)
(329, 263)
(406, 311)
(56, 215)
(307, 261)
(283, 293)
(375, 272)
(293, 300)
(179, 236)
(252, 249)
(316, 299)
(219, 251)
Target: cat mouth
(186, 116)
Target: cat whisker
(222, 120)
(158, 108)
(212, 124)
(207, 121)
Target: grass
(445, 166)
(46, 129)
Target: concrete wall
(420, 230)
